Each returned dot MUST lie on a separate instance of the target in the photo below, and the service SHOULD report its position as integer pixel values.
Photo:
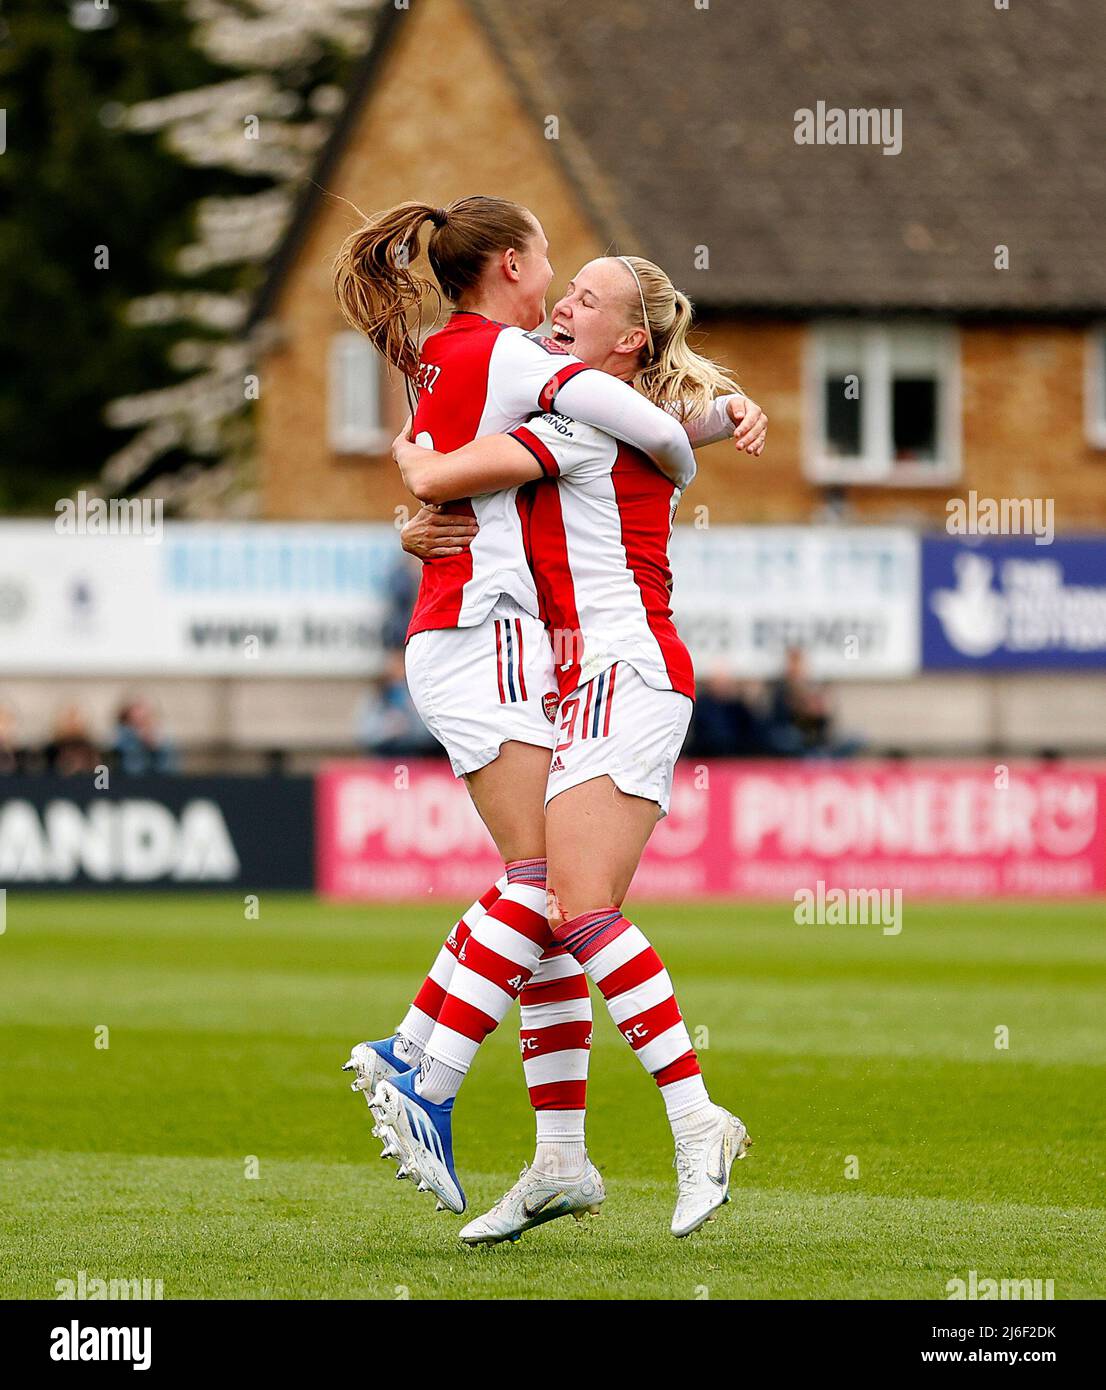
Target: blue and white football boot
(374, 1062)
(420, 1134)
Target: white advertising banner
(242, 599)
(847, 595)
(264, 599)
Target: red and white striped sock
(501, 953)
(555, 1039)
(639, 994)
(418, 1022)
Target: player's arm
(734, 416)
(528, 373)
(489, 464)
(613, 406)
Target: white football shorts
(476, 688)
(616, 726)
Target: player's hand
(432, 534)
(403, 446)
(750, 426)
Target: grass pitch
(843, 1050)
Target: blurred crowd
(789, 717)
(136, 745)
(387, 722)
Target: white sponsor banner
(241, 599)
(847, 595)
(264, 599)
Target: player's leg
(482, 692)
(485, 693)
(418, 1022)
(374, 1062)
(597, 827)
(556, 1039)
(503, 949)
(414, 1110)
(596, 837)
(488, 695)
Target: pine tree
(69, 184)
(262, 126)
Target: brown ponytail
(379, 292)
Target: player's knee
(553, 913)
(583, 895)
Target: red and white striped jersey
(597, 540)
(478, 377)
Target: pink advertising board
(750, 830)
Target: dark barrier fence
(157, 833)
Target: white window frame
(352, 355)
(877, 466)
(1094, 388)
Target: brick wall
(1022, 386)
(1022, 431)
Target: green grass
(226, 1036)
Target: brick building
(667, 127)
(809, 265)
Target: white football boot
(533, 1200)
(703, 1162)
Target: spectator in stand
(402, 589)
(71, 750)
(138, 743)
(800, 716)
(388, 723)
(11, 755)
(797, 704)
(729, 719)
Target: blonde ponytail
(673, 375)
